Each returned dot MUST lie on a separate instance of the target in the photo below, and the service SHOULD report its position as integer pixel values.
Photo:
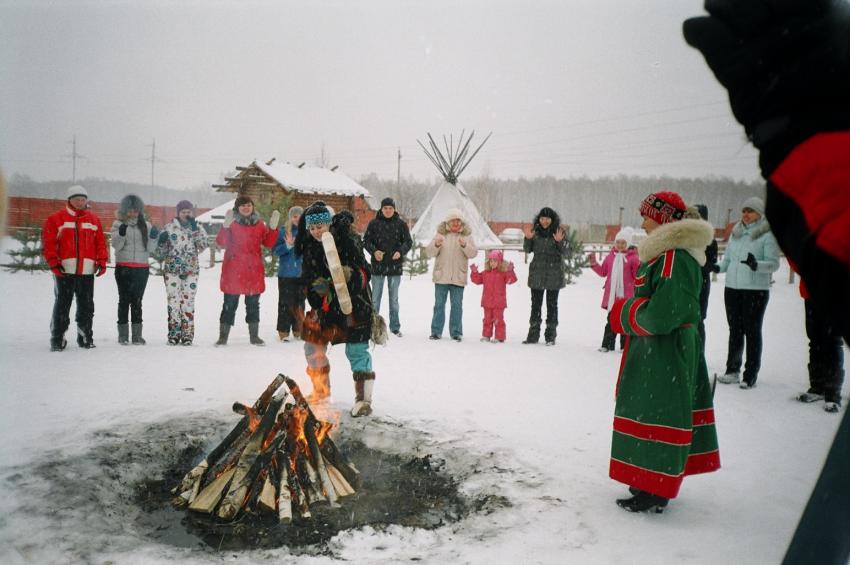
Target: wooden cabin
(304, 185)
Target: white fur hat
(626, 234)
(76, 190)
(454, 214)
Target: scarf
(617, 288)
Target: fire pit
(278, 460)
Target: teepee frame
(456, 157)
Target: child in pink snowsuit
(619, 269)
(497, 275)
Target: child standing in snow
(497, 275)
(619, 269)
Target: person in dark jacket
(74, 247)
(134, 239)
(326, 323)
(709, 267)
(387, 240)
(545, 239)
(290, 286)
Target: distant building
(304, 184)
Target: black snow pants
(131, 282)
(745, 314)
(65, 289)
(826, 355)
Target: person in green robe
(664, 415)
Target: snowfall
(526, 424)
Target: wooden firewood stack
(278, 459)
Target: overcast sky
(568, 87)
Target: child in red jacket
(497, 275)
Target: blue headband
(318, 218)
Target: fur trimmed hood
(757, 229)
(692, 236)
(443, 229)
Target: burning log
(279, 459)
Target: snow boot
(810, 395)
(363, 383)
(533, 334)
(550, 334)
(832, 402)
(321, 379)
(253, 331)
(58, 343)
(644, 502)
(729, 378)
(84, 339)
(223, 333)
(283, 336)
(123, 334)
(136, 330)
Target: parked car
(512, 236)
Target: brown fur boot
(321, 378)
(363, 383)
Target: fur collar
(246, 220)
(443, 229)
(756, 229)
(690, 235)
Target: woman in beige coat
(453, 248)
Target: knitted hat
(626, 234)
(76, 190)
(663, 207)
(241, 200)
(184, 205)
(131, 201)
(317, 213)
(454, 214)
(387, 202)
(495, 254)
(754, 203)
(295, 211)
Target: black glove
(122, 230)
(715, 268)
(163, 237)
(193, 224)
(751, 262)
(786, 65)
(154, 232)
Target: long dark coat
(388, 235)
(547, 267)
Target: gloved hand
(785, 64)
(751, 262)
(101, 269)
(193, 223)
(122, 230)
(154, 232)
(228, 218)
(715, 268)
(321, 286)
(474, 268)
(163, 237)
(274, 220)
(58, 270)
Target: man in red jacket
(75, 249)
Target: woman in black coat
(545, 239)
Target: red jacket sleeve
(48, 242)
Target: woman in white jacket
(751, 256)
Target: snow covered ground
(529, 423)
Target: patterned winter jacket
(180, 250)
(756, 239)
(129, 248)
(74, 239)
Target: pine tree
(416, 261)
(575, 259)
(28, 256)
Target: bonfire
(278, 460)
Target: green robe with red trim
(664, 415)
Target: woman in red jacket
(243, 270)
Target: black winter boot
(137, 334)
(644, 502)
(85, 339)
(533, 334)
(223, 332)
(550, 334)
(123, 334)
(58, 343)
(254, 331)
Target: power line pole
(398, 170)
(74, 155)
(153, 161)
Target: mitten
(58, 270)
(154, 232)
(122, 230)
(163, 237)
(321, 286)
(193, 223)
(785, 64)
(274, 220)
(101, 269)
(228, 218)
(751, 262)
(474, 268)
